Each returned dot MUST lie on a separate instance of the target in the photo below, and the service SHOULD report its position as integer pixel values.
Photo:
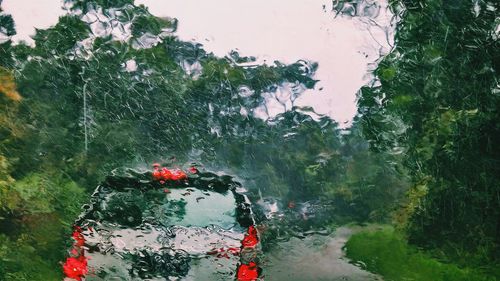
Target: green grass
(387, 253)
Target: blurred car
(165, 225)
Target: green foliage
(438, 103)
(7, 29)
(21, 262)
(387, 253)
(150, 24)
(62, 37)
(38, 194)
(7, 25)
(374, 183)
(39, 210)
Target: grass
(388, 254)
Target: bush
(387, 253)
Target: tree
(437, 103)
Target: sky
(285, 30)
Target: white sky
(29, 14)
(284, 30)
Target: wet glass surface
(115, 86)
(282, 128)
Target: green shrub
(387, 253)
